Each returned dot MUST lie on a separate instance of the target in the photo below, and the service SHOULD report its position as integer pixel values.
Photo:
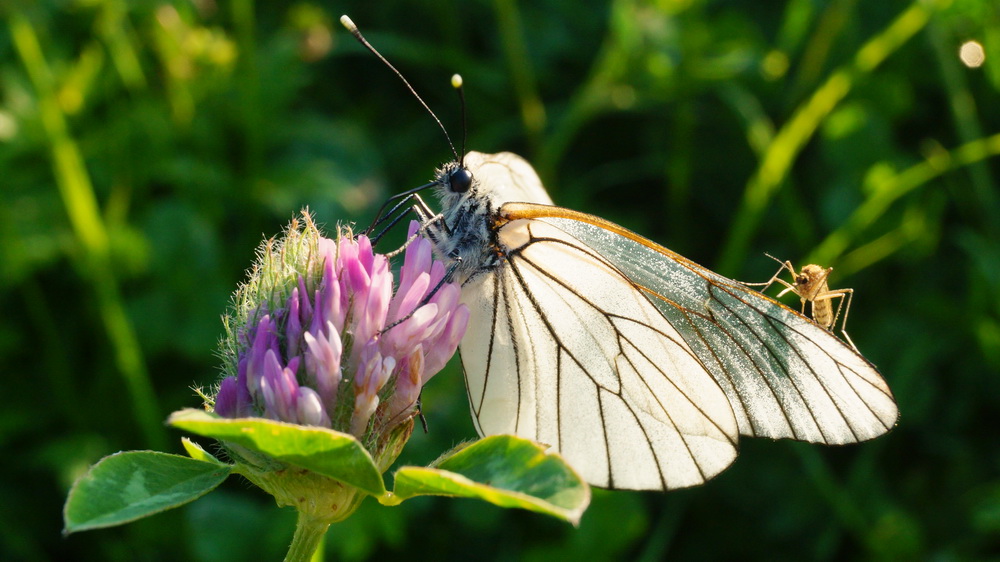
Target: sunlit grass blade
(795, 134)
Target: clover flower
(324, 363)
(318, 336)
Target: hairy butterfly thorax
(471, 193)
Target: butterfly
(640, 367)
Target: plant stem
(309, 533)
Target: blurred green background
(147, 147)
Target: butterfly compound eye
(460, 180)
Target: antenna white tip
(456, 81)
(346, 22)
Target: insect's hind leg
(845, 296)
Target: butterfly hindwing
(562, 350)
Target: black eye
(460, 180)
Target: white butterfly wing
(509, 177)
(562, 350)
(638, 365)
(785, 376)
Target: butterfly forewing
(784, 375)
(510, 177)
(576, 358)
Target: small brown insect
(810, 284)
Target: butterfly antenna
(347, 23)
(456, 82)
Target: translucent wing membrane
(785, 377)
(563, 350)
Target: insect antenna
(456, 82)
(767, 284)
(347, 23)
(411, 197)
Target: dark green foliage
(146, 147)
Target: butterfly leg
(412, 203)
(449, 273)
(402, 199)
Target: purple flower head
(318, 336)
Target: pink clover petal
(317, 321)
(333, 298)
(370, 320)
(244, 401)
(354, 274)
(368, 361)
(328, 247)
(373, 373)
(241, 376)
(408, 298)
(263, 342)
(444, 348)
(324, 352)
(416, 260)
(293, 365)
(310, 409)
(365, 254)
(381, 293)
(358, 279)
(447, 300)
(279, 387)
(447, 297)
(305, 306)
(401, 339)
(408, 383)
(226, 400)
(438, 272)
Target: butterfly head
(459, 179)
(456, 185)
